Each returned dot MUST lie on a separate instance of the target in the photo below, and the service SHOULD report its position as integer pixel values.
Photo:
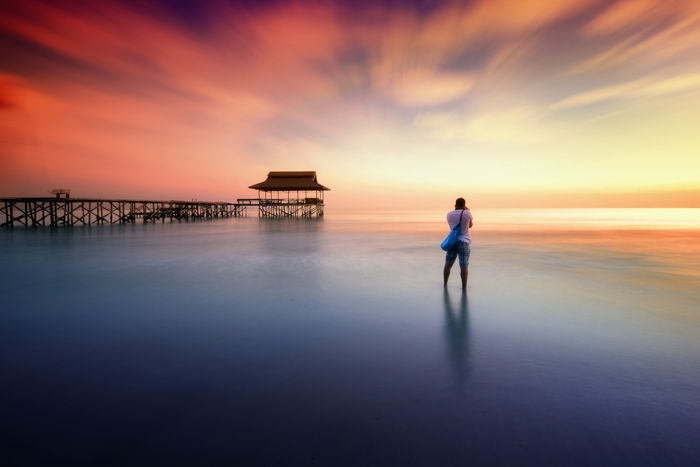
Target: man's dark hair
(460, 203)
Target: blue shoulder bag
(452, 237)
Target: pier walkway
(54, 212)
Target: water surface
(332, 341)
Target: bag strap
(461, 217)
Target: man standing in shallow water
(462, 215)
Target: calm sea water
(332, 341)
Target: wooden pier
(282, 194)
(60, 211)
(285, 207)
(286, 194)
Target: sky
(394, 103)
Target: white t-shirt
(453, 219)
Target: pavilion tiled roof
(290, 181)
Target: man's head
(460, 203)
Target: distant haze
(394, 104)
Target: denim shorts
(462, 249)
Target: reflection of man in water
(462, 247)
(458, 342)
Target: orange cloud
(621, 15)
(650, 32)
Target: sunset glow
(509, 103)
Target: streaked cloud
(514, 125)
(621, 15)
(647, 87)
(419, 88)
(647, 34)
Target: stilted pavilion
(289, 194)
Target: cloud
(421, 88)
(646, 87)
(686, 82)
(642, 34)
(11, 88)
(621, 15)
(598, 95)
(508, 17)
(514, 125)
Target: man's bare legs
(463, 272)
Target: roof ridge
(290, 181)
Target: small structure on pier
(288, 194)
(61, 193)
